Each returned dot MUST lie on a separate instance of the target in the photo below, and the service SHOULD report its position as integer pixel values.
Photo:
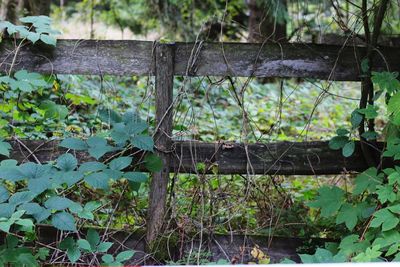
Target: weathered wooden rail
(281, 158)
(341, 63)
(203, 59)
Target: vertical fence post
(164, 74)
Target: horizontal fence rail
(281, 158)
(97, 57)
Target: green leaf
(38, 186)
(67, 162)
(4, 194)
(58, 203)
(25, 222)
(351, 244)
(394, 178)
(348, 149)
(137, 177)
(355, 119)
(93, 238)
(92, 205)
(98, 147)
(143, 142)
(385, 193)
(42, 253)
(21, 197)
(342, 132)
(153, 163)
(26, 260)
(120, 163)
(73, 254)
(104, 247)
(53, 110)
(370, 135)
(63, 221)
(48, 39)
(39, 217)
(109, 116)
(74, 143)
(124, 255)
(348, 215)
(107, 258)
(329, 200)
(394, 108)
(385, 218)
(5, 148)
(6, 210)
(31, 208)
(84, 244)
(370, 112)
(98, 180)
(386, 80)
(92, 166)
(67, 243)
(370, 254)
(5, 226)
(368, 180)
(338, 142)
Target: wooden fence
(340, 63)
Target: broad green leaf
(48, 39)
(92, 166)
(67, 243)
(342, 132)
(109, 116)
(67, 162)
(137, 177)
(84, 244)
(355, 119)
(4, 148)
(25, 222)
(107, 258)
(370, 112)
(104, 247)
(93, 238)
(31, 208)
(348, 215)
(124, 255)
(384, 218)
(98, 180)
(370, 254)
(387, 81)
(73, 254)
(63, 221)
(21, 197)
(92, 205)
(4, 194)
(6, 210)
(348, 149)
(98, 147)
(58, 203)
(38, 186)
(153, 163)
(32, 170)
(385, 193)
(74, 143)
(338, 142)
(329, 200)
(120, 163)
(143, 142)
(394, 108)
(53, 110)
(43, 215)
(352, 244)
(368, 180)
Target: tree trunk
(36, 7)
(8, 10)
(263, 22)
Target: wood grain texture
(162, 139)
(202, 59)
(282, 158)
